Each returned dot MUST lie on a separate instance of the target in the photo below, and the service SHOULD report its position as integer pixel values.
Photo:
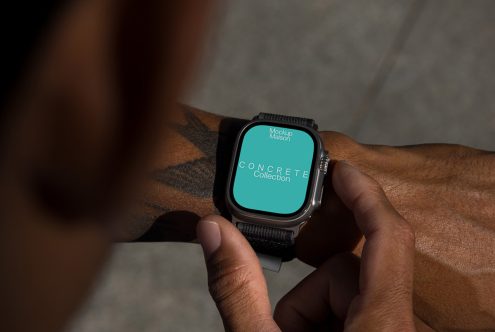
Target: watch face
(273, 169)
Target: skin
(455, 243)
(84, 129)
(374, 294)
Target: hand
(445, 193)
(460, 179)
(235, 277)
(376, 294)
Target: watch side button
(324, 164)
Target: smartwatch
(275, 183)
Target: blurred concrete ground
(383, 71)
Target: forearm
(190, 173)
(189, 176)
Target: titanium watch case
(293, 222)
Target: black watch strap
(288, 119)
(269, 240)
(273, 245)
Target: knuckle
(404, 233)
(230, 284)
(397, 295)
(238, 296)
(367, 201)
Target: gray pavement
(383, 71)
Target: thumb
(235, 277)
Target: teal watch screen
(273, 169)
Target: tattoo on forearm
(203, 178)
(195, 177)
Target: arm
(444, 191)
(188, 180)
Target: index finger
(386, 275)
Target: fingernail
(208, 234)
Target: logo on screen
(280, 134)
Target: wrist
(342, 147)
(383, 163)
